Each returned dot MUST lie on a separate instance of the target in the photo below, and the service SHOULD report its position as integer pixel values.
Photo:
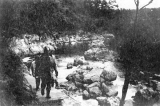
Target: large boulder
(108, 75)
(93, 76)
(94, 92)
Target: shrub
(16, 87)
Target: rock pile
(93, 82)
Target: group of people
(43, 68)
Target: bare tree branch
(147, 4)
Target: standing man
(36, 71)
(46, 73)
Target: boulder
(108, 75)
(71, 77)
(103, 101)
(95, 92)
(69, 65)
(85, 94)
(78, 61)
(92, 76)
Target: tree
(131, 53)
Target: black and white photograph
(79, 52)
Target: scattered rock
(69, 65)
(95, 92)
(103, 101)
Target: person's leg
(43, 85)
(37, 83)
(48, 89)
